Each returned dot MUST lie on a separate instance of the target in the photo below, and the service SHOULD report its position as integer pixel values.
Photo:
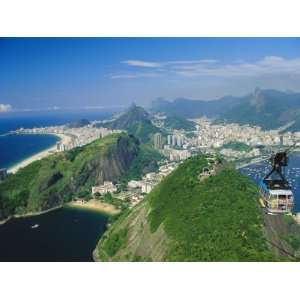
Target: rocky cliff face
(109, 165)
(59, 177)
(132, 239)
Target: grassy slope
(135, 121)
(238, 146)
(143, 130)
(59, 174)
(215, 220)
(145, 162)
(177, 122)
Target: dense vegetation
(177, 122)
(217, 219)
(143, 130)
(135, 121)
(116, 240)
(145, 162)
(237, 146)
(59, 177)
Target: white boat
(35, 226)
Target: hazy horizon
(42, 74)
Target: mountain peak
(258, 100)
(136, 112)
(136, 120)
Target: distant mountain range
(269, 109)
(188, 108)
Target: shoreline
(30, 214)
(96, 206)
(42, 154)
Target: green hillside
(237, 146)
(177, 122)
(56, 179)
(183, 219)
(135, 121)
(145, 162)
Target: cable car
(275, 190)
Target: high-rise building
(174, 140)
(158, 141)
(179, 140)
(169, 139)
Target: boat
(35, 226)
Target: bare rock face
(111, 165)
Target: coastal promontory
(58, 178)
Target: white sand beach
(63, 138)
(95, 205)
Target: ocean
(65, 234)
(15, 148)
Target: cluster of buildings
(136, 189)
(175, 149)
(176, 154)
(217, 135)
(210, 138)
(106, 187)
(175, 140)
(231, 154)
(77, 136)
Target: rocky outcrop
(56, 179)
(140, 244)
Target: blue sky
(53, 73)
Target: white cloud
(134, 75)
(140, 63)
(156, 64)
(267, 66)
(5, 108)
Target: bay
(65, 234)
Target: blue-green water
(15, 148)
(64, 234)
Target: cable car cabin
(277, 196)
